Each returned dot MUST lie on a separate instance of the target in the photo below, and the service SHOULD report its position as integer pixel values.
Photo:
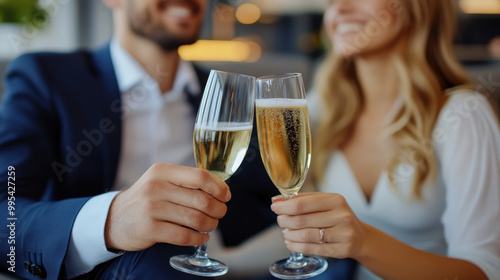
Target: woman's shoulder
(465, 107)
(467, 119)
(467, 98)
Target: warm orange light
(255, 52)
(248, 13)
(218, 50)
(480, 6)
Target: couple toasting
(409, 187)
(221, 137)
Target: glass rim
(232, 73)
(282, 76)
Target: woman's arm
(393, 259)
(347, 237)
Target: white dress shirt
(156, 128)
(460, 212)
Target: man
(81, 138)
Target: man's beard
(157, 33)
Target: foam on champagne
(280, 102)
(225, 126)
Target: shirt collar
(129, 72)
(186, 78)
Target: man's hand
(168, 204)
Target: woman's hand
(305, 215)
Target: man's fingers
(192, 178)
(183, 216)
(164, 232)
(195, 199)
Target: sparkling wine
(285, 141)
(221, 150)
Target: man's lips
(180, 8)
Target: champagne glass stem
(298, 266)
(201, 252)
(296, 259)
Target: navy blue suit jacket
(60, 130)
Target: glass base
(196, 266)
(307, 268)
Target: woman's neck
(379, 84)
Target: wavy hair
(426, 70)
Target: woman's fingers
(309, 203)
(314, 220)
(280, 197)
(334, 250)
(313, 235)
(337, 242)
(318, 224)
(326, 219)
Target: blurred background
(255, 37)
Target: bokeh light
(248, 13)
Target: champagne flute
(285, 147)
(221, 136)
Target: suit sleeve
(29, 134)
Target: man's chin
(167, 40)
(170, 44)
(169, 35)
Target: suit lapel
(112, 111)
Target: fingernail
(275, 197)
(272, 207)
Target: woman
(407, 158)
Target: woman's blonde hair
(426, 69)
